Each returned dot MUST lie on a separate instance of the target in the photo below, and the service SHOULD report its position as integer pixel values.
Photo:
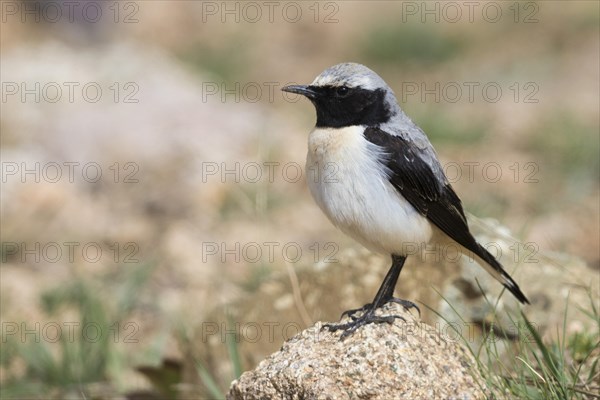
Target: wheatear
(387, 188)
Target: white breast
(351, 187)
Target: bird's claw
(404, 303)
(350, 313)
(368, 317)
(407, 304)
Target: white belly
(349, 185)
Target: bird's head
(349, 94)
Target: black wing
(435, 199)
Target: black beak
(304, 90)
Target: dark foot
(407, 304)
(368, 317)
(350, 313)
(404, 303)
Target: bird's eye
(342, 91)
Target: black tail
(495, 269)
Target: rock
(407, 359)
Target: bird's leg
(383, 296)
(388, 296)
(385, 293)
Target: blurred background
(156, 224)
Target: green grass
(536, 369)
(209, 379)
(401, 43)
(572, 144)
(85, 352)
(226, 355)
(226, 62)
(444, 130)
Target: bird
(377, 177)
